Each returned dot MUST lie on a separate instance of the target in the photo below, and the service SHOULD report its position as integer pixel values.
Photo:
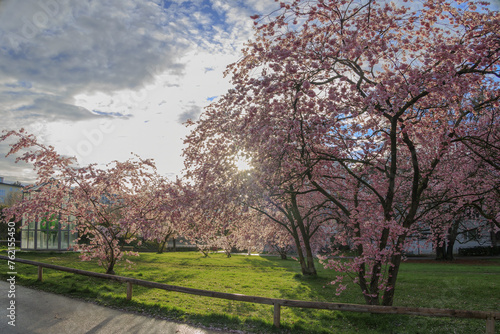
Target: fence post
(40, 273)
(129, 291)
(277, 315)
(490, 325)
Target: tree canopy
(386, 110)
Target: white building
(472, 233)
(7, 188)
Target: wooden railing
(490, 317)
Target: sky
(99, 79)
(102, 79)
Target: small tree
(101, 202)
(162, 211)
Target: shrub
(479, 251)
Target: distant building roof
(15, 184)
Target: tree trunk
(393, 272)
(281, 251)
(440, 249)
(161, 246)
(311, 270)
(204, 252)
(111, 266)
(370, 299)
(449, 250)
(373, 290)
(307, 267)
(112, 260)
(452, 237)
(493, 236)
(445, 252)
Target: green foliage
(441, 285)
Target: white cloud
(68, 68)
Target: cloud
(20, 108)
(191, 112)
(68, 65)
(104, 113)
(61, 48)
(12, 171)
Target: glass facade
(48, 234)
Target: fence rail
(490, 317)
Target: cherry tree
(236, 195)
(279, 240)
(102, 203)
(480, 142)
(364, 103)
(256, 232)
(212, 224)
(162, 211)
(303, 219)
(475, 206)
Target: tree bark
(388, 297)
(111, 266)
(161, 246)
(308, 267)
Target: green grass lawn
(439, 285)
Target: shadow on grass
(222, 321)
(294, 320)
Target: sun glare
(242, 163)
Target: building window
(470, 235)
(48, 234)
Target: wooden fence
(490, 317)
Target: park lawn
(420, 284)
